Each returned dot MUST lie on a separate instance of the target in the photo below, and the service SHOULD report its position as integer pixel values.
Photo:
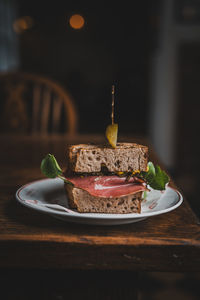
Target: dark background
(113, 47)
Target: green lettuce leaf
(144, 195)
(51, 169)
(155, 177)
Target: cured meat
(108, 186)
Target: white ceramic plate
(48, 196)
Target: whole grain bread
(126, 157)
(84, 202)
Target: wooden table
(56, 253)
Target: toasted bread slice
(126, 157)
(84, 202)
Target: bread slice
(126, 157)
(84, 202)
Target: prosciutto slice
(108, 186)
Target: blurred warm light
(76, 21)
(22, 24)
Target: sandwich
(103, 179)
(99, 174)
(111, 178)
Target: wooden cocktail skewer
(112, 129)
(113, 103)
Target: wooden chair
(34, 104)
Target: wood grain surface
(29, 239)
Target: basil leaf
(160, 179)
(150, 174)
(144, 194)
(151, 168)
(50, 167)
(155, 177)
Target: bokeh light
(76, 21)
(22, 24)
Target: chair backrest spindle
(36, 108)
(49, 102)
(45, 111)
(57, 106)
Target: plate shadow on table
(20, 214)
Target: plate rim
(93, 215)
